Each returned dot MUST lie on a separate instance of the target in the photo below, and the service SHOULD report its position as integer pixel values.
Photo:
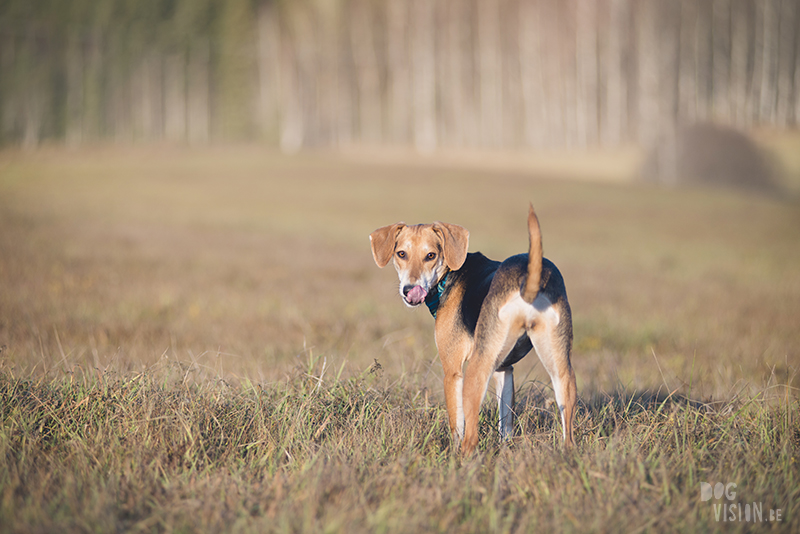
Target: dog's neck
(432, 300)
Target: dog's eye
(401, 254)
(430, 256)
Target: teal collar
(433, 298)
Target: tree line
(425, 73)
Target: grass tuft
(361, 454)
(199, 340)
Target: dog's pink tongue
(416, 295)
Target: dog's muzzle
(414, 295)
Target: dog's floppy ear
(455, 242)
(382, 241)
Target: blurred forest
(423, 73)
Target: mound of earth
(709, 154)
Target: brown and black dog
(487, 313)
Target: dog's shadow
(599, 413)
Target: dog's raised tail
(530, 288)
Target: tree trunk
(784, 113)
(490, 73)
(423, 76)
(234, 71)
(175, 98)
(292, 120)
(613, 109)
(669, 31)
(741, 43)
(531, 73)
(93, 101)
(268, 65)
(721, 60)
(648, 51)
(399, 75)
(363, 47)
(586, 71)
(769, 49)
(198, 102)
(704, 67)
(796, 77)
(74, 100)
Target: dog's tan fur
(489, 314)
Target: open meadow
(199, 340)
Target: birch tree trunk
(268, 64)
(648, 93)
(33, 108)
(769, 48)
(531, 73)
(399, 72)
(741, 36)
(234, 71)
(586, 48)
(721, 60)
(787, 35)
(424, 73)
(423, 76)
(74, 100)
(687, 75)
(510, 83)
(198, 101)
(93, 89)
(489, 74)
(363, 44)
(796, 84)
(669, 32)
(613, 116)
(704, 60)
(175, 98)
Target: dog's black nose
(406, 289)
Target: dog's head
(422, 254)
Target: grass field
(200, 341)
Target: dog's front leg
(478, 372)
(495, 340)
(453, 350)
(453, 389)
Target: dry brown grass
(236, 261)
(189, 344)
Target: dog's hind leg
(553, 351)
(504, 391)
